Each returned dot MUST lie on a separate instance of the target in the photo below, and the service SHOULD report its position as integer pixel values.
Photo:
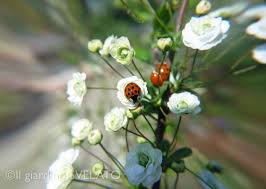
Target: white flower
(95, 137)
(81, 128)
(164, 43)
(182, 103)
(76, 88)
(95, 45)
(115, 119)
(203, 7)
(229, 11)
(121, 50)
(143, 165)
(107, 44)
(61, 172)
(255, 12)
(129, 99)
(204, 32)
(258, 29)
(97, 169)
(259, 54)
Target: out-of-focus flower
(95, 45)
(76, 88)
(182, 103)
(258, 29)
(164, 43)
(143, 165)
(115, 119)
(95, 137)
(107, 44)
(97, 169)
(203, 7)
(229, 11)
(255, 12)
(259, 54)
(81, 129)
(61, 172)
(121, 50)
(130, 91)
(205, 32)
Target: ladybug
(156, 79)
(132, 91)
(163, 70)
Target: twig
(129, 70)
(137, 69)
(109, 64)
(132, 132)
(95, 156)
(149, 123)
(126, 132)
(176, 181)
(181, 15)
(201, 179)
(134, 123)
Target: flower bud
(203, 7)
(164, 43)
(132, 114)
(141, 140)
(75, 142)
(95, 137)
(97, 169)
(95, 45)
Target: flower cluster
(172, 90)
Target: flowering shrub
(169, 93)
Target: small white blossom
(131, 102)
(143, 165)
(252, 13)
(122, 51)
(204, 32)
(203, 7)
(259, 54)
(164, 43)
(95, 137)
(81, 128)
(97, 169)
(61, 172)
(182, 103)
(76, 88)
(258, 29)
(115, 119)
(95, 45)
(105, 51)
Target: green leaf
(143, 54)
(180, 154)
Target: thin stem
(109, 64)
(181, 15)
(95, 156)
(201, 179)
(244, 70)
(151, 116)
(149, 123)
(134, 123)
(164, 56)
(175, 134)
(102, 88)
(193, 63)
(128, 70)
(126, 132)
(116, 162)
(137, 69)
(91, 182)
(176, 181)
(236, 64)
(165, 114)
(132, 132)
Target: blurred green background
(43, 42)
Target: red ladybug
(132, 91)
(156, 79)
(163, 70)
